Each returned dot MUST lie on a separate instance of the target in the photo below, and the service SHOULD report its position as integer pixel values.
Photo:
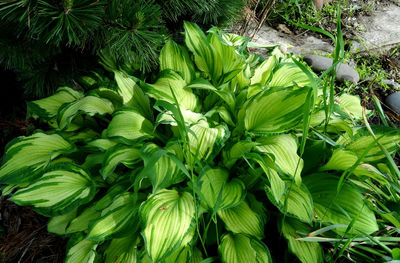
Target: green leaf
(47, 108)
(340, 208)
(129, 125)
(289, 74)
(205, 57)
(81, 222)
(168, 218)
(307, 252)
(396, 253)
(263, 71)
(117, 218)
(342, 160)
(159, 167)
(83, 251)
(233, 63)
(204, 140)
(239, 248)
(127, 155)
(170, 84)
(217, 192)
(275, 110)
(241, 219)
(59, 224)
(26, 156)
(284, 149)
(389, 138)
(296, 202)
(133, 95)
(176, 58)
(123, 250)
(61, 188)
(89, 105)
(351, 104)
(237, 151)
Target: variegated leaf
(168, 218)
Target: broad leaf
(129, 125)
(204, 140)
(168, 218)
(296, 202)
(284, 149)
(59, 224)
(123, 250)
(89, 105)
(117, 218)
(159, 167)
(205, 57)
(61, 188)
(171, 85)
(47, 108)
(289, 74)
(388, 138)
(239, 248)
(263, 71)
(307, 252)
(241, 219)
(217, 192)
(275, 110)
(340, 208)
(26, 156)
(127, 155)
(83, 252)
(176, 57)
(133, 95)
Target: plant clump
(204, 160)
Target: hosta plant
(206, 161)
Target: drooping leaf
(176, 57)
(284, 149)
(340, 208)
(388, 138)
(171, 85)
(241, 219)
(89, 105)
(117, 218)
(83, 251)
(342, 160)
(289, 74)
(123, 250)
(129, 125)
(47, 108)
(275, 110)
(296, 202)
(59, 190)
(239, 248)
(168, 218)
(59, 224)
(205, 140)
(26, 156)
(217, 192)
(119, 154)
(307, 252)
(351, 104)
(159, 167)
(237, 151)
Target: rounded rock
(343, 71)
(393, 101)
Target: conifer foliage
(43, 40)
